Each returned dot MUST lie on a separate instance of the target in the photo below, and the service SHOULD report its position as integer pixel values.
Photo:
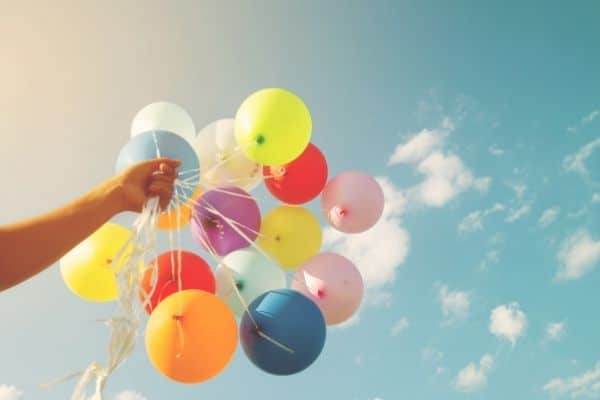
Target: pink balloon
(333, 283)
(352, 202)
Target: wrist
(114, 195)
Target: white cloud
(455, 305)
(10, 393)
(491, 257)
(549, 216)
(379, 298)
(578, 255)
(473, 377)
(495, 150)
(515, 214)
(590, 117)
(431, 354)
(518, 188)
(556, 331)
(596, 198)
(378, 252)
(508, 322)
(418, 147)
(576, 162)
(474, 221)
(130, 395)
(400, 326)
(444, 173)
(586, 385)
(445, 176)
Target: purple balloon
(225, 219)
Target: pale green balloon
(253, 274)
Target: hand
(145, 180)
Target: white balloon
(164, 116)
(222, 163)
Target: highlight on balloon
(249, 272)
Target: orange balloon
(191, 336)
(168, 220)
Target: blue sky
(482, 122)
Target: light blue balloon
(155, 144)
(252, 273)
(294, 328)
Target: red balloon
(300, 180)
(194, 272)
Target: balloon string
(239, 232)
(221, 261)
(228, 270)
(237, 150)
(123, 327)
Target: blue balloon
(155, 144)
(290, 319)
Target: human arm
(28, 247)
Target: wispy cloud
(549, 216)
(474, 377)
(596, 198)
(495, 150)
(474, 221)
(508, 322)
(586, 385)
(588, 119)
(578, 255)
(399, 326)
(555, 331)
(8, 392)
(455, 304)
(515, 214)
(576, 162)
(444, 173)
(418, 146)
(585, 120)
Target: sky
(480, 121)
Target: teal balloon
(252, 273)
(157, 144)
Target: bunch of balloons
(192, 329)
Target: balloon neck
(341, 212)
(178, 317)
(260, 139)
(279, 171)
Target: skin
(55, 233)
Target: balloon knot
(178, 317)
(320, 293)
(260, 139)
(277, 238)
(239, 285)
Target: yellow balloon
(273, 126)
(88, 269)
(291, 235)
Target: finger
(169, 180)
(165, 194)
(155, 164)
(167, 169)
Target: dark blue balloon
(156, 144)
(292, 320)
